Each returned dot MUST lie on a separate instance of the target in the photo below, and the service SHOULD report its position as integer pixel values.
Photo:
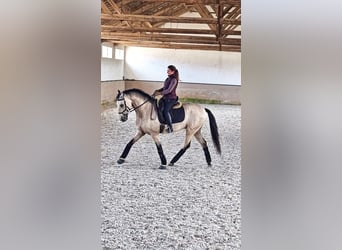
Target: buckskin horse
(194, 116)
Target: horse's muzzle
(124, 117)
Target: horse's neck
(136, 101)
(143, 110)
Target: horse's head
(123, 104)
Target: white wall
(111, 69)
(197, 66)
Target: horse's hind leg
(189, 135)
(129, 145)
(202, 141)
(160, 151)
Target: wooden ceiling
(176, 24)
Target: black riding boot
(169, 123)
(168, 103)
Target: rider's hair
(173, 68)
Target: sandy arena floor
(187, 206)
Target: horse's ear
(118, 95)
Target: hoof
(171, 164)
(120, 161)
(209, 165)
(162, 167)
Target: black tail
(214, 131)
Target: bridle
(127, 109)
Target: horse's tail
(214, 131)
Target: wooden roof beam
(206, 2)
(107, 28)
(147, 7)
(120, 12)
(159, 30)
(226, 10)
(124, 2)
(204, 12)
(234, 15)
(178, 46)
(114, 6)
(173, 9)
(172, 19)
(123, 35)
(178, 11)
(172, 38)
(104, 8)
(231, 32)
(219, 23)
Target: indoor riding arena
(189, 205)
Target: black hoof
(171, 164)
(120, 161)
(162, 167)
(209, 165)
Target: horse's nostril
(124, 118)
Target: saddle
(177, 105)
(177, 112)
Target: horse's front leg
(155, 137)
(188, 137)
(129, 145)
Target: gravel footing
(188, 205)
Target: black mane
(139, 92)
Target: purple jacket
(169, 89)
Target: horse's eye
(121, 105)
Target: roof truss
(210, 24)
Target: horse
(147, 123)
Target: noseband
(127, 109)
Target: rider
(169, 94)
